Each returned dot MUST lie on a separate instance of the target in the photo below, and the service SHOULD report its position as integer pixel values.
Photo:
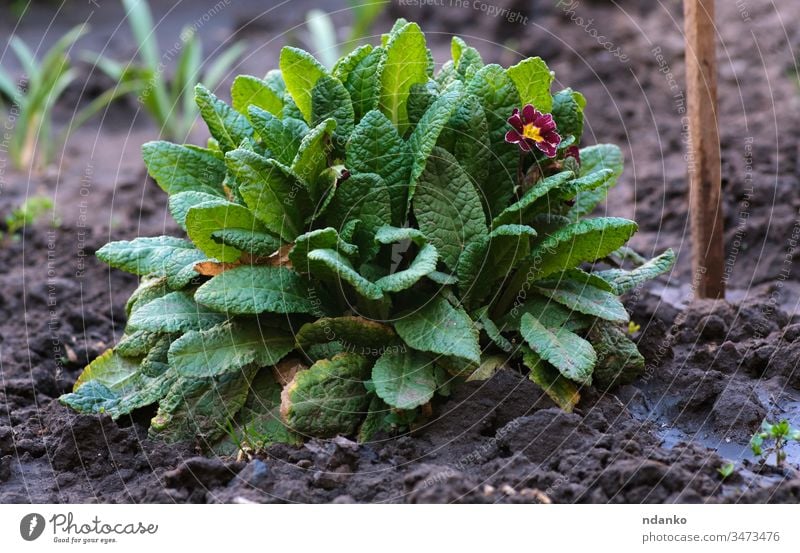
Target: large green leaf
(326, 238)
(198, 409)
(406, 64)
(166, 256)
(498, 95)
(362, 197)
(568, 112)
(228, 347)
(375, 147)
(560, 389)
(580, 242)
(623, 281)
(521, 211)
(250, 290)
(404, 380)
(330, 264)
(312, 157)
(174, 312)
(448, 208)
(204, 219)
(438, 327)
(179, 204)
(250, 91)
(329, 398)
(228, 127)
(595, 158)
(573, 356)
(423, 264)
(178, 168)
(427, 131)
(466, 136)
(352, 333)
(618, 359)
(330, 100)
(533, 78)
(281, 136)
(301, 71)
(548, 312)
(275, 195)
(254, 243)
(584, 298)
(363, 82)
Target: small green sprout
(169, 102)
(779, 434)
(726, 470)
(32, 210)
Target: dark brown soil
(715, 370)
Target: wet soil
(715, 370)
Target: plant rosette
(360, 240)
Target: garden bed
(714, 370)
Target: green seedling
(31, 211)
(33, 96)
(169, 101)
(773, 438)
(362, 239)
(726, 470)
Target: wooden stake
(703, 149)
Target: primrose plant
(362, 239)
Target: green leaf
(404, 380)
(281, 136)
(569, 353)
(548, 312)
(438, 327)
(499, 96)
(198, 409)
(326, 238)
(327, 263)
(137, 343)
(174, 312)
(228, 347)
(312, 157)
(249, 290)
(149, 289)
(568, 112)
(254, 243)
(558, 388)
(177, 168)
(423, 264)
(271, 191)
(204, 219)
(448, 208)
(375, 147)
(363, 82)
(109, 369)
(426, 133)
(406, 64)
(521, 211)
(492, 258)
(180, 204)
(362, 197)
(226, 125)
(595, 158)
(389, 235)
(345, 65)
(349, 332)
(533, 78)
(375, 421)
(329, 398)
(301, 71)
(618, 359)
(251, 91)
(94, 397)
(330, 100)
(466, 136)
(466, 59)
(166, 256)
(584, 298)
(580, 242)
(488, 367)
(623, 281)
(492, 331)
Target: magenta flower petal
(533, 128)
(529, 114)
(516, 121)
(513, 137)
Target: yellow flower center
(532, 132)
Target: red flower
(533, 128)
